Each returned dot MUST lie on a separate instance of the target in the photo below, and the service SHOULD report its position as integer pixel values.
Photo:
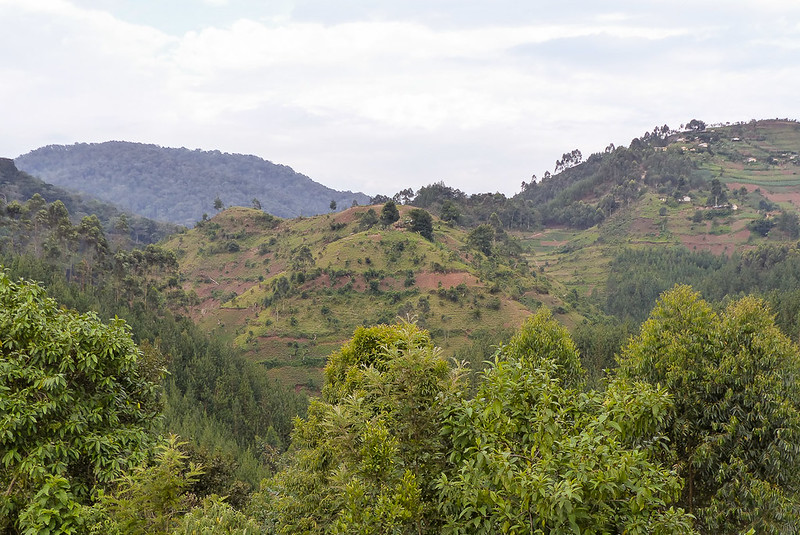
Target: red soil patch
(748, 187)
(427, 280)
(792, 197)
(554, 243)
(643, 226)
(724, 243)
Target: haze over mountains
(180, 185)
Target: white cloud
(368, 104)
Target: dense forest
(663, 401)
(180, 185)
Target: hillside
(289, 292)
(17, 186)
(721, 190)
(180, 185)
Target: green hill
(673, 200)
(180, 185)
(288, 292)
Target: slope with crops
(287, 292)
(721, 190)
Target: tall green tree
(450, 212)
(76, 407)
(482, 238)
(735, 427)
(366, 458)
(422, 222)
(533, 453)
(389, 213)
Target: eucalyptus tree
(735, 427)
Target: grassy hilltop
(289, 292)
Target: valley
(442, 349)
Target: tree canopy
(366, 457)
(389, 213)
(422, 222)
(735, 427)
(397, 445)
(76, 406)
(533, 453)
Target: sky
(381, 95)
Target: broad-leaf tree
(533, 453)
(389, 213)
(422, 222)
(735, 428)
(76, 407)
(366, 457)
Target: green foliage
(735, 428)
(789, 224)
(638, 276)
(421, 222)
(19, 187)
(761, 226)
(344, 373)
(52, 510)
(150, 498)
(365, 460)
(541, 337)
(215, 397)
(598, 343)
(76, 409)
(450, 212)
(215, 517)
(368, 219)
(532, 454)
(482, 238)
(389, 213)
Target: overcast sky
(377, 96)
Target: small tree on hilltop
(389, 213)
(422, 222)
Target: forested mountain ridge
(581, 193)
(178, 184)
(18, 187)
